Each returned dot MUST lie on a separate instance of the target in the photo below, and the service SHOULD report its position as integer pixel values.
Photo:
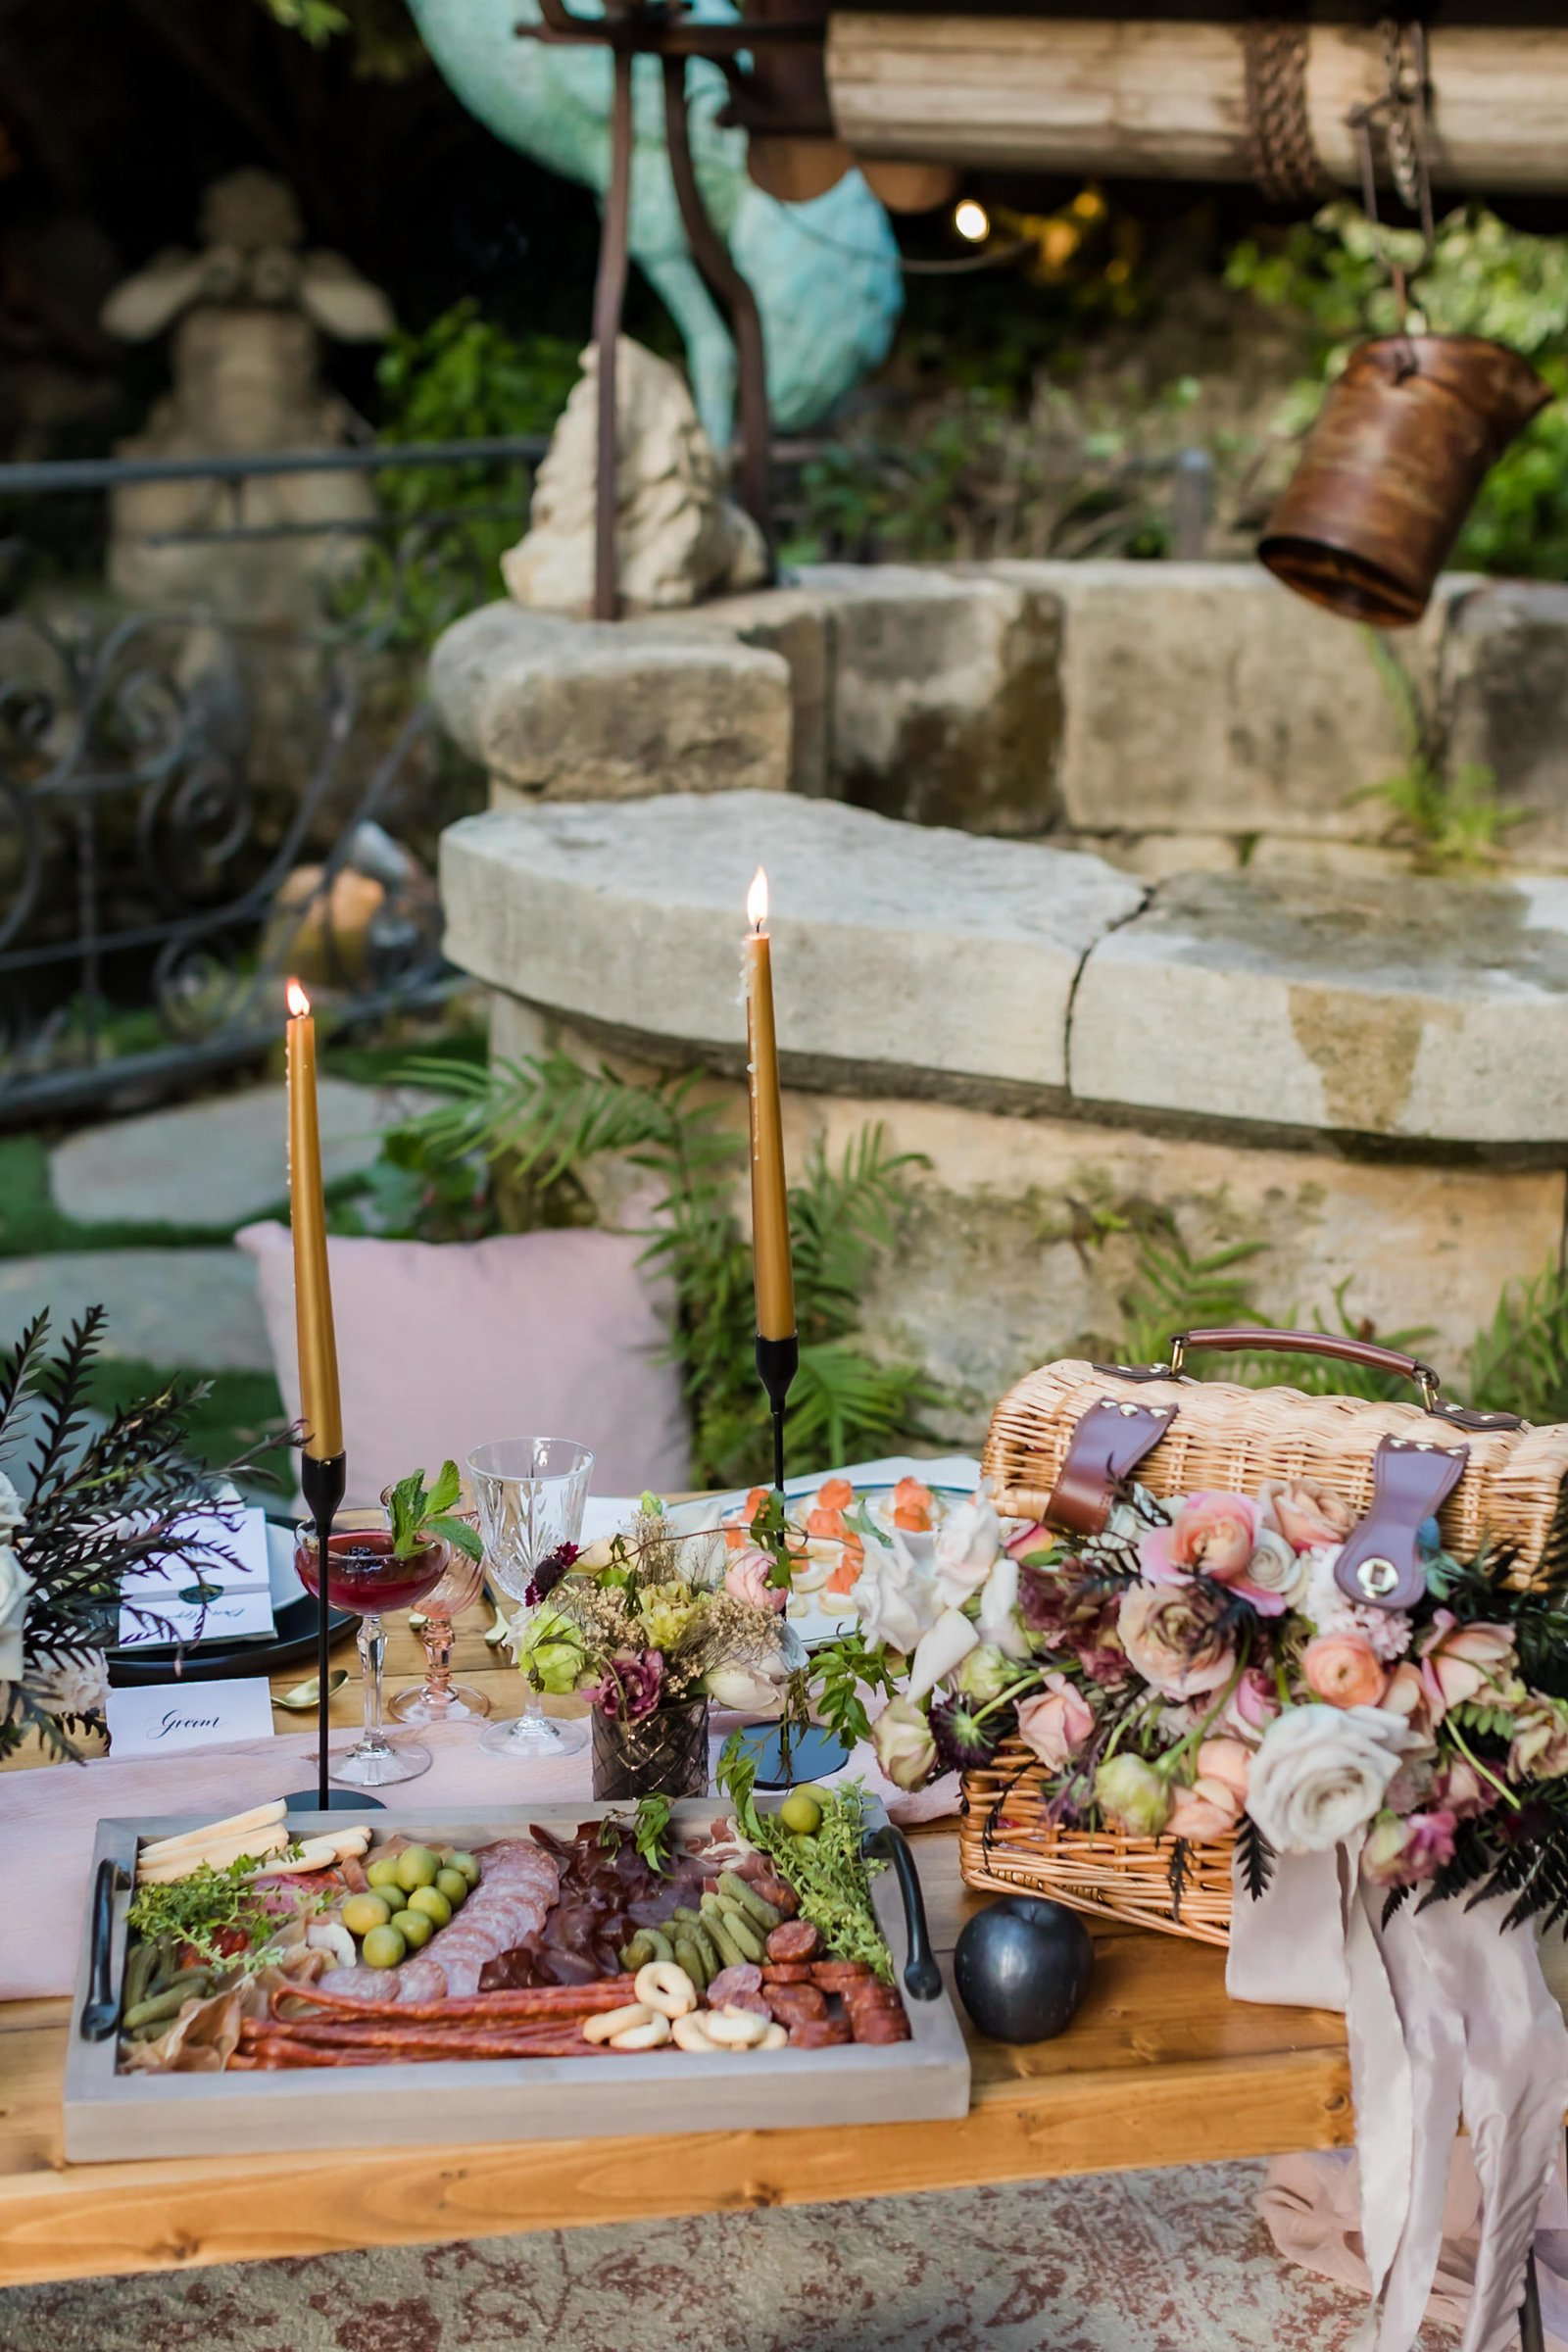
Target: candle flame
(298, 1002)
(757, 900)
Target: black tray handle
(922, 1974)
(101, 2014)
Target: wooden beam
(1141, 99)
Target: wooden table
(1159, 2068)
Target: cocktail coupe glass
(530, 1494)
(438, 1698)
(363, 1577)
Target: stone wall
(1170, 717)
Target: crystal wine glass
(438, 1698)
(530, 1493)
(364, 1576)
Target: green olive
(362, 1912)
(383, 1873)
(468, 1867)
(802, 1812)
(453, 1886)
(415, 1928)
(383, 1947)
(432, 1902)
(416, 1867)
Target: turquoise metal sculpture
(825, 273)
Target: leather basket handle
(1231, 1339)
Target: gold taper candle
(771, 1210)
(319, 1408)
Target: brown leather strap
(1106, 1448)
(1230, 1339)
(1380, 1565)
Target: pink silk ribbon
(1447, 2014)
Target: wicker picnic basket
(1069, 1433)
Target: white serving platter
(109, 2114)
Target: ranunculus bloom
(1539, 1750)
(1252, 1703)
(1307, 1512)
(1171, 1635)
(1344, 1669)
(1211, 1806)
(966, 1546)
(1056, 1722)
(634, 1686)
(1321, 1772)
(1133, 1796)
(1211, 1535)
(747, 1578)
(1274, 1568)
(551, 1652)
(1402, 1850)
(1460, 1662)
(901, 1743)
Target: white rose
(893, 1597)
(1321, 1772)
(966, 1546)
(16, 1585)
(999, 1622)
(743, 1690)
(1275, 1568)
(71, 1687)
(10, 1509)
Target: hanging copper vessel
(1404, 440)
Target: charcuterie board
(111, 2113)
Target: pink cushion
(442, 1346)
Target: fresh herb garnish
(651, 1831)
(205, 1909)
(830, 1877)
(419, 1514)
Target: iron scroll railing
(152, 830)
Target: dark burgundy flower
(549, 1573)
(632, 1684)
(965, 1738)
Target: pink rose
(1055, 1723)
(747, 1578)
(1171, 1633)
(1459, 1662)
(1344, 1669)
(1252, 1705)
(1307, 1512)
(1213, 1805)
(1212, 1535)
(1402, 1849)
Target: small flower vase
(662, 1754)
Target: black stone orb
(1022, 1966)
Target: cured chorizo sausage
(796, 1939)
(819, 2033)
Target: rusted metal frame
(713, 257)
(609, 301)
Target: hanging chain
(1286, 164)
(1401, 113)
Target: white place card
(162, 1717)
(226, 1617)
(228, 1551)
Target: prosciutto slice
(518, 1881)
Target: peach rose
(1211, 1535)
(1459, 1662)
(1055, 1723)
(1213, 1805)
(1307, 1512)
(1172, 1637)
(1343, 1671)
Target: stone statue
(677, 537)
(248, 311)
(825, 273)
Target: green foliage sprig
(421, 1514)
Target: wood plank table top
(1159, 2068)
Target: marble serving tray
(109, 2114)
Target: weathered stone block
(568, 709)
(1506, 697)
(1389, 1008)
(793, 623)
(1207, 697)
(897, 948)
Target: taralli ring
(646, 2037)
(690, 2033)
(612, 2022)
(735, 2028)
(663, 1987)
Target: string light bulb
(972, 220)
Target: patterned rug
(1122, 2262)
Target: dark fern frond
(1255, 1857)
(62, 1388)
(1177, 1874)
(21, 1368)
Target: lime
(415, 1928)
(802, 1812)
(383, 1947)
(416, 1867)
(432, 1902)
(453, 1886)
(362, 1912)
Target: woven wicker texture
(1006, 1842)
(1230, 1439)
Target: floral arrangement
(1195, 1672)
(650, 1619)
(99, 1506)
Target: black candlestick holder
(321, 1482)
(777, 1362)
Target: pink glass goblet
(438, 1698)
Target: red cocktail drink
(364, 1576)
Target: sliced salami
(793, 2005)
(730, 1982)
(819, 2033)
(786, 1971)
(796, 1939)
(872, 2026)
(835, 1976)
